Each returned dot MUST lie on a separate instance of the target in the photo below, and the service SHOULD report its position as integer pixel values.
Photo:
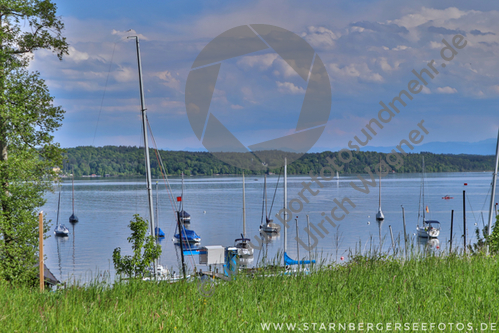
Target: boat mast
(244, 210)
(58, 207)
(285, 202)
(380, 182)
(424, 208)
(182, 195)
(265, 189)
(157, 205)
(73, 186)
(146, 143)
(494, 182)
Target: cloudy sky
(369, 49)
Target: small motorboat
(244, 250)
(430, 229)
(270, 227)
(61, 230)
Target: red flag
(179, 198)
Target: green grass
(449, 289)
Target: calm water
(106, 205)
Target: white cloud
(436, 45)
(360, 71)
(385, 66)
(320, 37)
(236, 107)
(124, 74)
(169, 80)
(289, 88)
(76, 55)
(124, 34)
(426, 90)
(262, 62)
(446, 90)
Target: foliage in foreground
(27, 120)
(136, 265)
(449, 289)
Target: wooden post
(464, 219)
(451, 228)
(42, 266)
(393, 241)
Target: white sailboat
(244, 250)
(379, 214)
(73, 218)
(60, 229)
(268, 226)
(430, 228)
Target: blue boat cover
(187, 234)
(184, 214)
(159, 232)
(289, 261)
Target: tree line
(129, 161)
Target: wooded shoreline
(129, 161)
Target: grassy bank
(435, 289)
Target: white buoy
(368, 222)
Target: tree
(28, 153)
(136, 265)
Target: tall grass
(374, 289)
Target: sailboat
(157, 231)
(244, 250)
(379, 214)
(287, 260)
(60, 229)
(73, 218)
(268, 227)
(184, 216)
(430, 228)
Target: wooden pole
(464, 219)
(41, 264)
(405, 231)
(393, 241)
(451, 228)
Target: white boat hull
(270, 228)
(428, 232)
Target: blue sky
(369, 49)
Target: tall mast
(494, 182)
(182, 195)
(146, 143)
(265, 189)
(285, 202)
(380, 182)
(244, 210)
(73, 190)
(424, 207)
(157, 205)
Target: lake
(105, 207)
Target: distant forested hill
(129, 161)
